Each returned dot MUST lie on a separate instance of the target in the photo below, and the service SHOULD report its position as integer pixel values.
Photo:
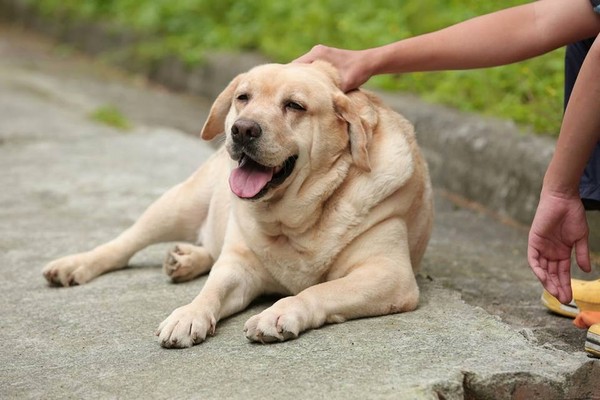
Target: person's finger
(346, 87)
(552, 284)
(540, 274)
(582, 255)
(564, 279)
(317, 52)
(533, 260)
(305, 59)
(544, 265)
(552, 268)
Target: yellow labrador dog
(317, 195)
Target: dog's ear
(215, 123)
(361, 120)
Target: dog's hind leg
(175, 216)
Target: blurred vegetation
(529, 93)
(111, 116)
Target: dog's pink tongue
(249, 178)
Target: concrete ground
(69, 183)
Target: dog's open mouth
(251, 180)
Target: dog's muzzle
(251, 179)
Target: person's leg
(590, 320)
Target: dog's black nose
(244, 131)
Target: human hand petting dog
(352, 65)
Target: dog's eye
(294, 106)
(243, 97)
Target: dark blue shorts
(589, 187)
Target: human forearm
(580, 130)
(560, 225)
(499, 38)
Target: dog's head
(281, 119)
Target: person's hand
(351, 64)
(559, 226)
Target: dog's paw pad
(177, 264)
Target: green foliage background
(529, 93)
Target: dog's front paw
(282, 321)
(69, 271)
(185, 327)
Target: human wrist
(369, 62)
(560, 190)
(562, 177)
(381, 60)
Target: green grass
(529, 93)
(111, 116)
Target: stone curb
(486, 160)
